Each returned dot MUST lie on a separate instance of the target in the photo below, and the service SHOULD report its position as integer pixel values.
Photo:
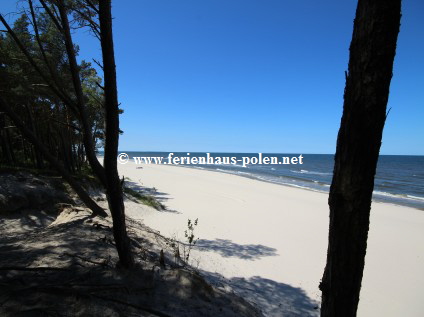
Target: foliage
(53, 121)
(189, 235)
(174, 243)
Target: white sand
(270, 241)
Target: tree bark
(114, 189)
(372, 53)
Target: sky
(250, 75)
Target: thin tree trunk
(114, 189)
(52, 71)
(38, 157)
(87, 136)
(5, 140)
(372, 53)
(9, 143)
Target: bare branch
(88, 19)
(92, 6)
(100, 86)
(98, 63)
(95, 27)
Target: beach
(268, 242)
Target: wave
(233, 172)
(415, 197)
(311, 172)
(299, 179)
(398, 196)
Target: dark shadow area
(272, 298)
(159, 196)
(227, 248)
(68, 269)
(27, 191)
(58, 245)
(26, 220)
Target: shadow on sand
(272, 298)
(150, 191)
(227, 248)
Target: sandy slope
(57, 260)
(269, 241)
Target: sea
(399, 178)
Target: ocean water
(399, 179)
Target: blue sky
(250, 75)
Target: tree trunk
(5, 141)
(38, 157)
(114, 189)
(87, 137)
(372, 53)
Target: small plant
(174, 244)
(189, 234)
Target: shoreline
(260, 233)
(397, 180)
(374, 200)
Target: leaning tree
(372, 53)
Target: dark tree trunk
(38, 157)
(114, 189)
(9, 143)
(372, 53)
(5, 141)
(87, 137)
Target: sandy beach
(269, 242)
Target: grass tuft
(148, 200)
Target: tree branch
(52, 16)
(92, 6)
(62, 97)
(98, 63)
(40, 45)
